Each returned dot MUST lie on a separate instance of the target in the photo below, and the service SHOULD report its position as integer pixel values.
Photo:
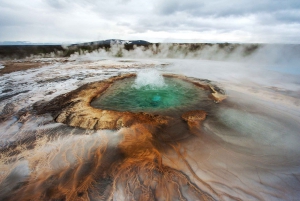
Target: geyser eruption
(149, 78)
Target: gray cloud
(56, 4)
(87, 20)
(224, 7)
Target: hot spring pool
(172, 94)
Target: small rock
(194, 119)
(194, 116)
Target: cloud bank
(262, 21)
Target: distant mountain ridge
(114, 42)
(101, 42)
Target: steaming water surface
(173, 95)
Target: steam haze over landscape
(149, 100)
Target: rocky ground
(244, 147)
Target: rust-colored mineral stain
(131, 170)
(128, 165)
(11, 66)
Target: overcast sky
(68, 21)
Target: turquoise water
(175, 94)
